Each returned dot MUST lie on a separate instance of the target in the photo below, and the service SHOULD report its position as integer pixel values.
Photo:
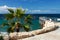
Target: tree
(13, 19)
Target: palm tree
(14, 20)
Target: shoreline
(48, 27)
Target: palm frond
(26, 27)
(10, 29)
(9, 16)
(11, 10)
(28, 19)
(5, 24)
(19, 12)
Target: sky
(32, 6)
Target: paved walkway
(54, 35)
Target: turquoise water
(35, 21)
(35, 25)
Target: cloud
(3, 9)
(38, 11)
(43, 11)
(34, 11)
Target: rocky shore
(48, 29)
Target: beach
(50, 31)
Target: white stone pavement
(53, 35)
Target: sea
(35, 21)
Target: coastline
(49, 26)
